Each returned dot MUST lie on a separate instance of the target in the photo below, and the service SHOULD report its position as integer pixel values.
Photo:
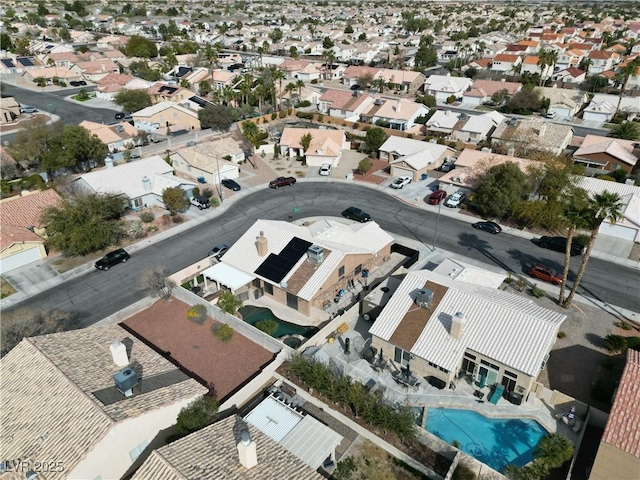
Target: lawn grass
(6, 289)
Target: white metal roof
(228, 275)
(273, 418)
(311, 441)
(467, 273)
(510, 329)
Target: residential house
(482, 64)
(51, 73)
(207, 161)
(110, 85)
(22, 233)
(482, 90)
(605, 154)
(569, 58)
(96, 70)
(169, 114)
(97, 398)
(398, 114)
(445, 328)
(506, 63)
(61, 59)
(141, 182)
(221, 79)
(344, 104)
(603, 106)
(402, 80)
(9, 110)
(326, 146)
(240, 450)
(8, 165)
(293, 69)
(534, 134)
(477, 128)
(79, 36)
(563, 102)
(619, 450)
(116, 137)
(444, 86)
(161, 92)
(602, 61)
(304, 268)
(354, 73)
(571, 75)
(531, 64)
(443, 122)
(413, 158)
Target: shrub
(356, 126)
(214, 202)
(282, 114)
(314, 81)
(166, 219)
(274, 115)
(538, 292)
(615, 343)
(305, 115)
(197, 314)
(178, 218)
(222, 331)
(207, 192)
(364, 166)
(623, 325)
(320, 117)
(197, 415)
(561, 334)
(633, 343)
(196, 191)
(152, 228)
(147, 217)
(303, 103)
(462, 472)
(267, 326)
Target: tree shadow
(472, 242)
(526, 260)
(595, 340)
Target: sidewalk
(215, 212)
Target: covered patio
(225, 276)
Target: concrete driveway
(31, 279)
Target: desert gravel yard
(223, 366)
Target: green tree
(348, 29)
(605, 206)
(426, 55)
(75, 148)
(374, 138)
(327, 43)
(197, 415)
(175, 199)
(5, 42)
(141, 69)
(267, 326)
(553, 450)
(500, 96)
(33, 143)
(205, 89)
(364, 165)
(427, 100)
(524, 101)
(138, 46)
(626, 131)
(276, 35)
(305, 141)
(216, 117)
(84, 224)
(133, 100)
(252, 133)
(228, 302)
(623, 76)
(502, 188)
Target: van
(200, 202)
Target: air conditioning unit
(119, 129)
(191, 143)
(424, 298)
(125, 380)
(315, 253)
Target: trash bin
(424, 176)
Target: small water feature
(289, 333)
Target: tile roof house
(602, 61)
(141, 182)
(569, 75)
(169, 114)
(444, 86)
(505, 63)
(564, 102)
(345, 104)
(605, 154)
(326, 146)
(445, 327)
(207, 160)
(478, 127)
(603, 106)
(278, 256)
(22, 234)
(97, 69)
(9, 109)
(60, 400)
(619, 451)
(217, 452)
(413, 158)
(443, 122)
(482, 90)
(109, 85)
(116, 137)
(400, 114)
(534, 133)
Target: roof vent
(125, 380)
(378, 101)
(119, 129)
(119, 353)
(424, 298)
(315, 254)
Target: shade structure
(228, 276)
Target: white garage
(397, 171)
(618, 231)
(20, 259)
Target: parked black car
(281, 182)
(490, 227)
(112, 258)
(354, 213)
(121, 115)
(231, 184)
(559, 244)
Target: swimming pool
(497, 442)
(252, 315)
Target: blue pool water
(496, 442)
(253, 315)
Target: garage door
(618, 231)
(19, 259)
(402, 172)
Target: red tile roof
(18, 214)
(623, 428)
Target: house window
(135, 453)
(341, 271)
(357, 270)
(615, 166)
(401, 356)
(137, 202)
(468, 365)
(508, 382)
(292, 301)
(492, 365)
(268, 288)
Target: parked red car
(436, 197)
(281, 182)
(542, 272)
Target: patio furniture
(496, 394)
(478, 394)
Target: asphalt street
(99, 294)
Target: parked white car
(400, 182)
(325, 170)
(455, 200)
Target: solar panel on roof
(200, 101)
(168, 90)
(8, 63)
(276, 267)
(25, 61)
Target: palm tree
(277, 74)
(300, 86)
(575, 216)
(626, 72)
(553, 450)
(626, 130)
(605, 206)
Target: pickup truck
(281, 182)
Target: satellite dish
(283, 284)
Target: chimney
(261, 243)
(457, 325)
(146, 183)
(119, 353)
(247, 451)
